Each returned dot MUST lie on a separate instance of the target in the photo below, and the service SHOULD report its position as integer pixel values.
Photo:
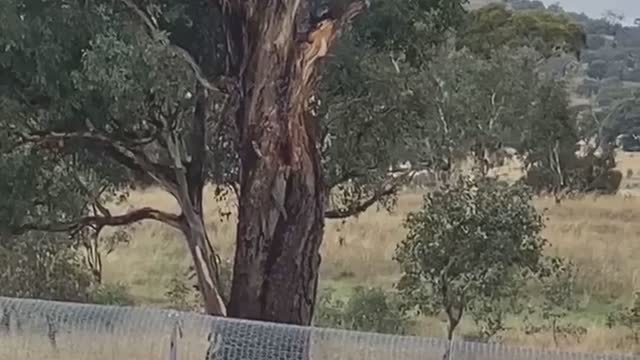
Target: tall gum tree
(287, 171)
(176, 94)
(275, 49)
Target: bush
(597, 69)
(112, 294)
(367, 309)
(181, 296)
(595, 41)
(43, 266)
(628, 317)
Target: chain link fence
(45, 330)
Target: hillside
(607, 77)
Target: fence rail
(45, 330)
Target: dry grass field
(601, 235)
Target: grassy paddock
(599, 234)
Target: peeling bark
(274, 54)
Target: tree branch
(351, 11)
(131, 158)
(358, 208)
(390, 188)
(103, 221)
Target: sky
(596, 8)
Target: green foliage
(552, 164)
(595, 42)
(628, 317)
(468, 104)
(44, 267)
(367, 93)
(181, 295)
(366, 309)
(623, 115)
(361, 110)
(597, 69)
(495, 26)
(489, 314)
(112, 294)
(558, 290)
(628, 37)
(519, 5)
(408, 28)
(182, 292)
(471, 243)
(599, 26)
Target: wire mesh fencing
(45, 330)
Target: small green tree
(367, 309)
(628, 317)
(472, 242)
(558, 300)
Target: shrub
(112, 294)
(43, 266)
(367, 309)
(628, 317)
(181, 296)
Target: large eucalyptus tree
(99, 98)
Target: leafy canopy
(472, 242)
(494, 26)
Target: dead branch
(387, 189)
(104, 221)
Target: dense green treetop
(494, 26)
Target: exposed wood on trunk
(282, 195)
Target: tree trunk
(206, 267)
(189, 195)
(275, 49)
